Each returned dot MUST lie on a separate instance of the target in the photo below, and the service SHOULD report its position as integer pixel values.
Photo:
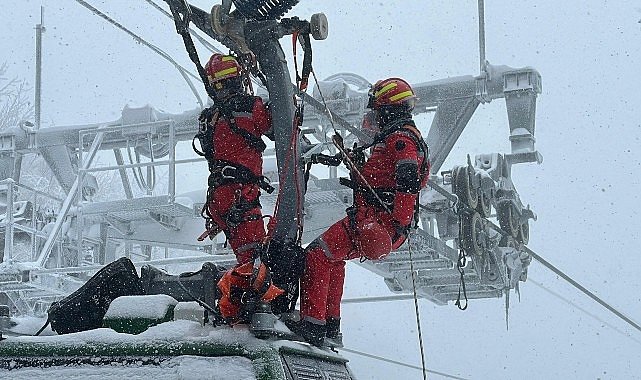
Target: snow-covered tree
(15, 104)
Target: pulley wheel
(485, 203)
(524, 233)
(464, 189)
(508, 219)
(473, 234)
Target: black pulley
(485, 198)
(464, 189)
(523, 235)
(473, 240)
(508, 218)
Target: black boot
(333, 333)
(313, 333)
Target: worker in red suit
(230, 138)
(385, 200)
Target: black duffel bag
(85, 308)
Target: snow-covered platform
(176, 349)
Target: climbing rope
(338, 142)
(416, 309)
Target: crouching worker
(385, 200)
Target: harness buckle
(226, 167)
(387, 197)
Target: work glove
(206, 117)
(323, 159)
(357, 156)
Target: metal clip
(222, 171)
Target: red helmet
(221, 67)
(392, 91)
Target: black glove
(357, 156)
(206, 116)
(323, 159)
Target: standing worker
(386, 189)
(230, 139)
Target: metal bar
(170, 245)
(172, 164)
(336, 118)
(40, 28)
(128, 127)
(31, 189)
(123, 174)
(174, 260)
(8, 231)
(29, 230)
(398, 297)
(142, 164)
(34, 245)
(482, 34)
(46, 249)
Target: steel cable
(183, 71)
(375, 357)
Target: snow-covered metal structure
(52, 245)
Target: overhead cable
(375, 357)
(572, 282)
(582, 289)
(203, 41)
(200, 39)
(557, 295)
(183, 71)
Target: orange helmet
(392, 91)
(221, 67)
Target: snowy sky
(586, 193)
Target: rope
(416, 309)
(340, 147)
(375, 357)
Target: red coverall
(232, 147)
(322, 282)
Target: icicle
(507, 307)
